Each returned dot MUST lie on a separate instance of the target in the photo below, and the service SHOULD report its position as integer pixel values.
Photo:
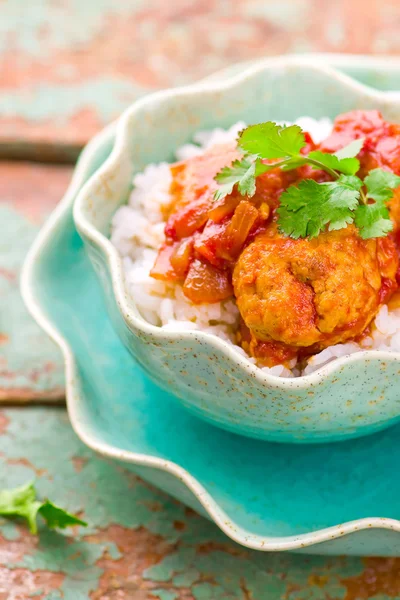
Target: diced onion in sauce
(206, 284)
(182, 256)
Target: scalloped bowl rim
(222, 520)
(126, 304)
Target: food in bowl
(281, 239)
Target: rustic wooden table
(66, 69)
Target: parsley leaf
(242, 173)
(306, 209)
(269, 140)
(22, 502)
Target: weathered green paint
(28, 22)
(76, 561)
(141, 542)
(150, 46)
(164, 594)
(104, 97)
(30, 364)
(65, 51)
(10, 531)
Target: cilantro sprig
(310, 207)
(22, 502)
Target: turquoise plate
(322, 499)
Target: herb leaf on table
(22, 502)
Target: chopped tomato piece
(182, 257)
(178, 172)
(387, 152)
(387, 255)
(223, 241)
(310, 145)
(210, 242)
(205, 283)
(387, 288)
(270, 185)
(361, 123)
(353, 125)
(223, 208)
(163, 268)
(188, 218)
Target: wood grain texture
(66, 70)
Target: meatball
(311, 293)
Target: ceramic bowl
(352, 396)
(264, 496)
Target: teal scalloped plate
(327, 499)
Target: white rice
(138, 232)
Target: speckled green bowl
(352, 396)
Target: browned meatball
(318, 292)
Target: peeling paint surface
(67, 67)
(82, 63)
(30, 364)
(141, 544)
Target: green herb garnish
(310, 207)
(307, 208)
(22, 502)
(242, 173)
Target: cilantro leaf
(312, 207)
(351, 150)
(350, 181)
(343, 161)
(294, 163)
(373, 220)
(228, 177)
(347, 166)
(269, 140)
(380, 184)
(22, 502)
(242, 173)
(58, 517)
(305, 210)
